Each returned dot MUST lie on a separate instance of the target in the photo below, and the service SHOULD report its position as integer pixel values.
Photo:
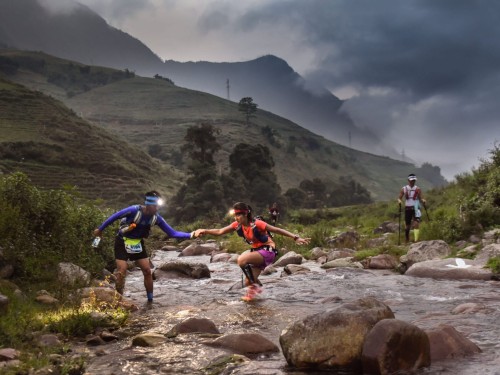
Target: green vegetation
(55, 226)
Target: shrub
(55, 226)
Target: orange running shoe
(252, 291)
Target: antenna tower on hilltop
(227, 87)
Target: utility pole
(227, 87)
(350, 139)
(403, 155)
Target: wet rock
(269, 270)
(200, 249)
(316, 253)
(221, 257)
(446, 342)
(148, 339)
(448, 269)
(342, 263)
(334, 338)
(224, 364)
(182, 269)
(331, 299)
(470, 308)
(292, 269)
(339, 254)
(394, 346)
(289, 258)
(383, 262)
(193, 325)
(425, 250)
(244, 343)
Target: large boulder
(334, 338)
(451, 269)
(200, 249)
(69, 273)
(244, 343)
(394, 346)
(425, 250)
(289, 258)
(383, 262)
(446, 342)
(182, 270)
(193, 325)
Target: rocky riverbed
(472, 307)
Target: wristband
(295, 238)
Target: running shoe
(252, 291)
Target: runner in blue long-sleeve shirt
(135, 224)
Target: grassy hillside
(153, 112)
(44, 139)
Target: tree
(201, 143)
(202, 194)
(248, 107)
(251, 167)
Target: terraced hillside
(44, 139)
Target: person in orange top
(263, 250)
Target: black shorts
(121, 253)
(410, 215)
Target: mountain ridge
(154, 113)
(84, 36)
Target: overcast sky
(424, 73)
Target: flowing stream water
(423, 302)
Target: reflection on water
(423, 302)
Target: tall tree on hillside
(251, 167)
(202, 194)
(248, 107)
(201, 143)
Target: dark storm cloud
(423, 74)
(422, 46)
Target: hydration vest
(257, 234)
(125, 224)
(415, 190)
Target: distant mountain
(75, 33)
(81, 35)
(153, 115)
(276, 87)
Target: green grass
(24, 317)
